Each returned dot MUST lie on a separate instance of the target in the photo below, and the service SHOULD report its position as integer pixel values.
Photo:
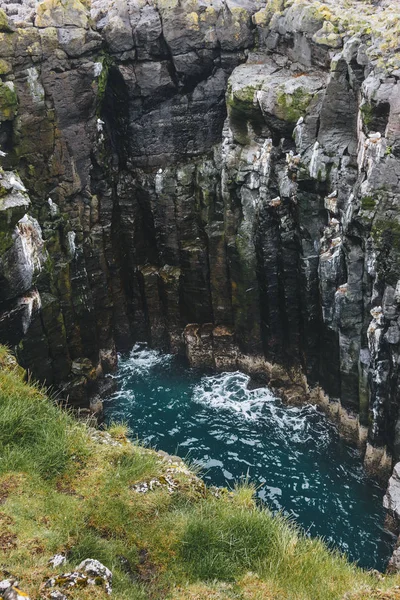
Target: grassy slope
(62, 490)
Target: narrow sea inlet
(293, 455)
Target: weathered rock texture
(391, 502)
(229, 166)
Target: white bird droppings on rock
(98, 69)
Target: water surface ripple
(292, 454)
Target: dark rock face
(23, 257)
(228, 167)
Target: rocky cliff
(217, 175)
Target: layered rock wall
(231, 168)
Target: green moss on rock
(4, 25)
(242, 110)
(106, 62)
(292, 105)
(242, 99)
(366, 113)
(5, 67)
(8, 101)
(387, 232)
(368, 203)
(386, 236)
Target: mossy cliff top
(333, 22)
(68, 489)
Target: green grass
(35, 436)
(63, 491)
(242, 538)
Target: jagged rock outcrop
(228, 167)
(23, 257)
(88, 573)
(391, 502)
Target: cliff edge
(87, 514)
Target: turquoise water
(293, 455)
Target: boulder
(89, 572)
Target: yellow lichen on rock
(61, 13)
(192, 20)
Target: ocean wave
(140, 361)
(230, 392)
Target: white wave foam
(289, 424)
(229, 391)
(140, 361)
